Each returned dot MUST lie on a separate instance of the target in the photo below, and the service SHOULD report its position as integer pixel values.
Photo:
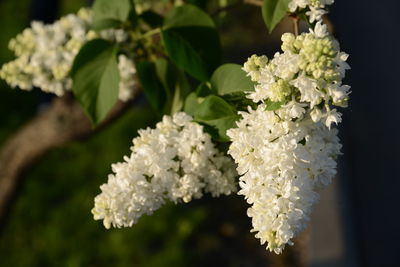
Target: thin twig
(151, 33)
(295, 21)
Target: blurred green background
(50, 223)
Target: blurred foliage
(50, 223)
(16, 106)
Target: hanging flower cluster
(285, 148)
(314, 9)
(281, 163)
(176, 161)
(307, 76)
(45, 54)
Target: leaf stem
(151, 33)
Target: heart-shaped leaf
(230, 78)
(216, 112)
(95, 78)
(274, 11)
(191, 41)
(111, 13)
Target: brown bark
(63, 121)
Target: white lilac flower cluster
(285, 148)
(282, 162)
(315, 9)
(307, 76)
(176, 161)
(45, 54)
(127, 83)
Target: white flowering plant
(276, 115)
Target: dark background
(369, 32)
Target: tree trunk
(63, 121)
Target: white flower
(45, 54)
(253, 65)
(285, 155)
(127, 71)
(286, 65)
(316, 115)
(320, 30)
(282, 163)
(292, 110)
(308, 90)
(315, 14)
(315, 8)
(309, 71)
(333, 116)
(338, 93)
(294, 4)
(176, 161)
(340, 60)
(261, 90)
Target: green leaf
(151, 84)
(105, 24)
(191, 104)
(164, 85)
(271, 105)
(203, 90)
(230, 78)
(274, 11)
(189, 50)
(187, 16)
(175, 85)
(95, 78)
(216, 112)
(109, 14)
(182, 90)
(194, 99)
(191, 41)
(166, 75)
